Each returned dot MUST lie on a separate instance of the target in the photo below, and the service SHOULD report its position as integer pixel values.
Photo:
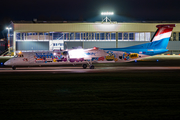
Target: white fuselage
(75, 56)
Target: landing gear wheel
(13, 67)
(84, 66)
(91, 66)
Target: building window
(77, 36)
(83, 36)
(29, 36)
(97, 36)
(50, 36)
(107, 36)
(174, 36)
(113, 36)
(102, 36)
(34, 36)
(136, 36)
(125, 36)
(18, 36)
(58, 36)
(41, 36)
(66, 36)
(147, 36)
(90, 36)
(131, 36)
(141, 36)
(71, 36)
(119, 36)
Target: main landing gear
(90, 66)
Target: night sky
(88, 10)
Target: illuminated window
(141, 36)
(147, 36)
(46, 36)
(34, 36)
(119, 36)
(41, 36)
(125, 36)
(136, 36)
(131, 36)
(50, 36)
(29, 36)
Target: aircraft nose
(7, 63)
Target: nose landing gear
(13, 67)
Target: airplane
(157, 45)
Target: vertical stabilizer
(162, 36)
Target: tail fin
(162, 36)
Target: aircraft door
(31, 58)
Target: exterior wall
(174, 45)
(89, 27)
(32, 45)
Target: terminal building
(48, 36)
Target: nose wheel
(13, 67)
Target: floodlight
(107, 13)
(8, 28)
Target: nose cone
(7, 63)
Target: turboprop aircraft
(157, 45)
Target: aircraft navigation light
(19, 52)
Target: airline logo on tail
(163, 32)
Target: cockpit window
(19, 56)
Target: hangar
(47, 35)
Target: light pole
(8, 28)
(106, 14)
